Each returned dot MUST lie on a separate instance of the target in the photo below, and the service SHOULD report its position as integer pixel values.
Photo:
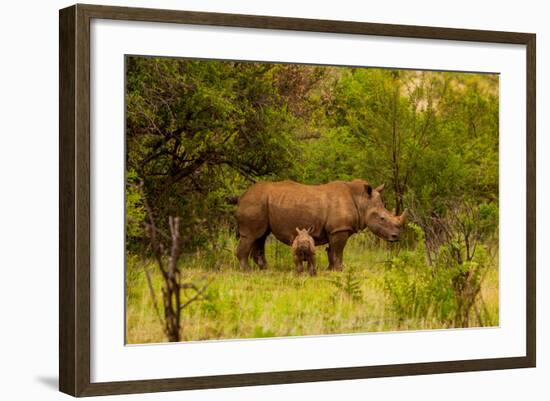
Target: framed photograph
(250, 200)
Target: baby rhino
(303, 250)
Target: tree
(432, 136)
(392, 115)
(199, 131)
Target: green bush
(444, 291)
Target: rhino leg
(253, 231)
(243, 251)
(330, 256)
(337, 243)
(299, 264)
(311, 266)
(258, 252)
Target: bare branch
(197, 296)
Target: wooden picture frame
(74, 203)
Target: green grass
(278, 302)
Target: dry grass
(278, 302)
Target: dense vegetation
(199, 132)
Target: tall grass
(278, 302)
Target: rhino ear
(297, 230)
(310, 230)
(380, 188)
(368, 190)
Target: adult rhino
(333, 211)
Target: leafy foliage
(200, 131)
(446, 289)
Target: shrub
(415, 289)
(445, 290)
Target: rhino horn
(403, 217)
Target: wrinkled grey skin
(303, 251)
(335, 210)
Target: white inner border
(111, 360)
